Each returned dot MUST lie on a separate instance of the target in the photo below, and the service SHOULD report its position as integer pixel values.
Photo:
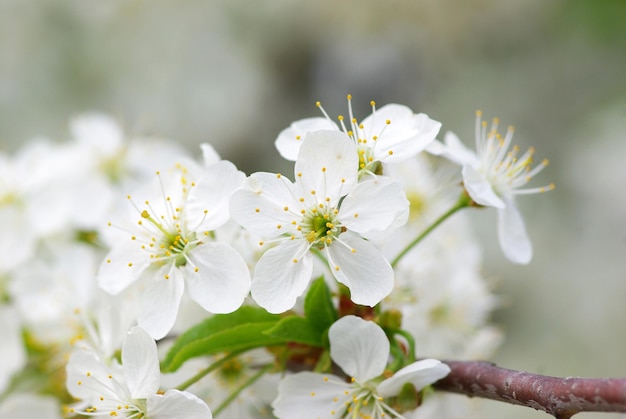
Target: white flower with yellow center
(326, 211)
(494, 176)
(390, 134)
(129, 390)
(361, 349)
(173, 244)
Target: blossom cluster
(138, 280)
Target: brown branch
(560, 397)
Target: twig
(560, 397)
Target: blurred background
(234, 73)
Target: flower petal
(222, 280)
(420, 374)
(159, 302)
(479, 188)
(359, 347)
(141, 363)
(121, 267)
(309, 395)
(87, 377)
(209, 154)
(259, 206)
(454, 150)
(207, 203)
(512, 235)
(290, 139)
(406, 135)
(327, 164)
(277, 280)
(374, 205)
(175, 404)
(361, 267)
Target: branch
(560, 397)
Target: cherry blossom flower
(494, 176)
(390, 134)
(361, 349)
(326, 211)
(172, 246)
(130, 389)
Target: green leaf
(318, 306)
(241, 330)
(297, 329)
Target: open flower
(494, 176)
(390, 134)
(325, 210)
(173, 245)
(361, 349)
(129, 390)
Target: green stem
(245, 385)
(410, 341)
(317, 252)
(208, 370)
(464, 201)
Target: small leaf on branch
(297, 329)
(241, 330)
(318, 306)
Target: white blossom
(494, 176)
(130, 389)
(171, 246)
(390, 134)
(361, 349)
(326, 211)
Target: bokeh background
(234, 73)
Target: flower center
(173, 246)
(320, 226)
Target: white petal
(406, 137)
(159, 302)
(479, 188)
(374, 205)
(87, 378)
(12, 353)
(277, 280)
(290, 139)
(222, 280)
(212, 194)
(259, 206)
(209, 155)
(99, 131)
(327, 164)
(121, 267)
(141, 363)
(365, 270)
(456, 151)
(175, 404)
(514, 240)
(359, 347)
(309, 395)
(420, 374)
(399, 115)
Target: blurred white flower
(361, 349)
(28, 406)
(130, 389)
(12, 351)
(33, 186)
(439, 288)
(171, 245)
(494, 176)
(324, 210)
(390, 134)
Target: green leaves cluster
(252, 327)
